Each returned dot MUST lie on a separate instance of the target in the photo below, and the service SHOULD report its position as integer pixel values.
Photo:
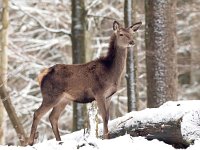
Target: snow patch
(189, 110)
(190, 128)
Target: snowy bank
(126, 141)
(185, 113)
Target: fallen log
(169, 132)
(176, 123)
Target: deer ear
(116, 25)
(136, 26)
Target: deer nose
(131, 43)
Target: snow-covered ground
(189, 111)
(123, 142)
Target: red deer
(83, 83)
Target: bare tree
(78, 54)
(131, 64)
(12, 113)
(160, 52)
(3, 56)
(3, 76)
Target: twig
(41, 23)
(98, 16)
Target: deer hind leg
(41, 111)
(54, 116)
(104, 114)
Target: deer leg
(48, 103)
(53, 117)
(107, 104)
(43, 109)
(104, 115)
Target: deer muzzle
(131, 43)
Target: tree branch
(41, 23)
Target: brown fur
(96, 80)
(42, 74)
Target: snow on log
(190, 126)
(175, 122)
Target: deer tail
(42, 75)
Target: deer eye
(121, 34)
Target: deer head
(124, 36)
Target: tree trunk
(5, 98)
(12, 114)
(195, 53)
(3, 57)
(169, 132)
(160, 52)
(78, 48)
(131, 65)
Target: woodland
(163, 65)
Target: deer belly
(85, 96)
(84, 100)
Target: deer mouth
(131, 44)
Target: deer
(83, 83)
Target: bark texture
(78, 52)
(5, 98)
(160, 39)
(3, 57)
(131, 65)
(12, 114)
(168, 132)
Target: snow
(126, 141)
(170, 111)
(189, 128)
(187, 110)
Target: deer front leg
(104, 114)
(107, 104)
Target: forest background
(39, 36)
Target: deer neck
(117, 59)
(119, 62)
